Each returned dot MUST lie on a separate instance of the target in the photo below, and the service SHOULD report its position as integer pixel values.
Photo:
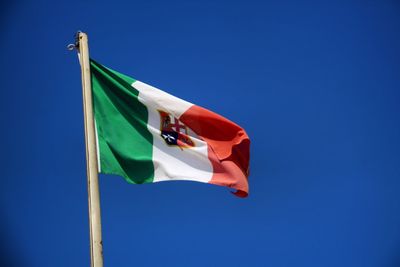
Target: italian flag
(147, 135)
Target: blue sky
(315, 85)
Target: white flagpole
(96, 244)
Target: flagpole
(96, 244)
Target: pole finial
(75, 45)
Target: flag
(147, 135)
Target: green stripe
(126, 145)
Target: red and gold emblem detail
(174, 132)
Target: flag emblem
(174, 132)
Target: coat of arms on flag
(174, 132)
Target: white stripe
(97, 147)
(173, 162)
(162, 100)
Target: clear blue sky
(315, 84)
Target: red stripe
(228, 147)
